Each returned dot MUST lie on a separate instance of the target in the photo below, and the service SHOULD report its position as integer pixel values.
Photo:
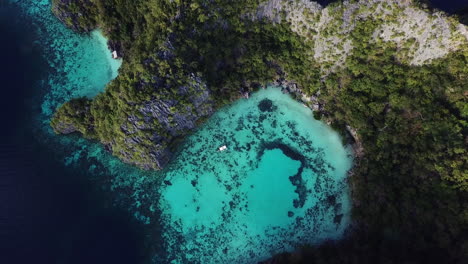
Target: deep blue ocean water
(449, 6)
(49, 213)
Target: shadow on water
(449, 6)
(325, 2)
(48, 213)
(452, 7)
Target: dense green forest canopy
(410, 187)
(165, 44)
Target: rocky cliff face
(421, 36)
(146, 137)
(143, 130)
(78, 15)
(140, 128)
(174, 120)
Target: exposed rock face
(174, 118)
(419, 35)
(146, 134)
(75, 14)
(152, 126)
(185, 116)
(63, 127)
(75, 117)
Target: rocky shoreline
(318, 106)
(82, 21)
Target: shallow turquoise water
(81, 64)
(280, 183)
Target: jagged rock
(175, 119)
(164, 118)
(65, 127)
(419, 35)
(81, 21)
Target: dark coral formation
(266, 105)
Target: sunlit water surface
(280, 183)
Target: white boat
(222, 148)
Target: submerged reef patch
(266, 105)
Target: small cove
(280, 183)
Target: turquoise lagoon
(80, 65)
(281, 182)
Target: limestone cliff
(420, 35)
(78, 15)
(182, 61)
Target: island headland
(390, 75)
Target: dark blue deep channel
(49, 213)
